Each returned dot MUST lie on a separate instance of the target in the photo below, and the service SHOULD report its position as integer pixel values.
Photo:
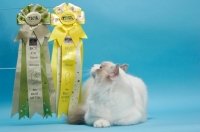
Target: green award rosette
(33, 89)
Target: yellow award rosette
(34, 90)
(67, 56)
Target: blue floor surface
(182, 120)
(170, 110)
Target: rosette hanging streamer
(33, 89)
(67, 56)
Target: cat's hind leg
(133, 118)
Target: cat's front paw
(100, 123)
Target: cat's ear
(114, 72)
(124, 67)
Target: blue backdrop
(160, 40)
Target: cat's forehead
(107, 63)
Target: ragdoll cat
(111, 97)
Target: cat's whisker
(86, 70)
(85, 75)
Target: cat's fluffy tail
(77, 116)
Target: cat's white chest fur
(110, 104)
(110, 98)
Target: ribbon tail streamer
(16, 91)
(34, 78)
(56, 71)
(74, 100)
(50, 77)
(45, 84)
(67, 77)
(23, 108)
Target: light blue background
(160, 40)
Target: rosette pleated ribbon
(33, 89)
(67, 56)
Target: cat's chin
(93, 75)
(93, 70)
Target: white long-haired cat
(111, 97)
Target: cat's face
(105, 71)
